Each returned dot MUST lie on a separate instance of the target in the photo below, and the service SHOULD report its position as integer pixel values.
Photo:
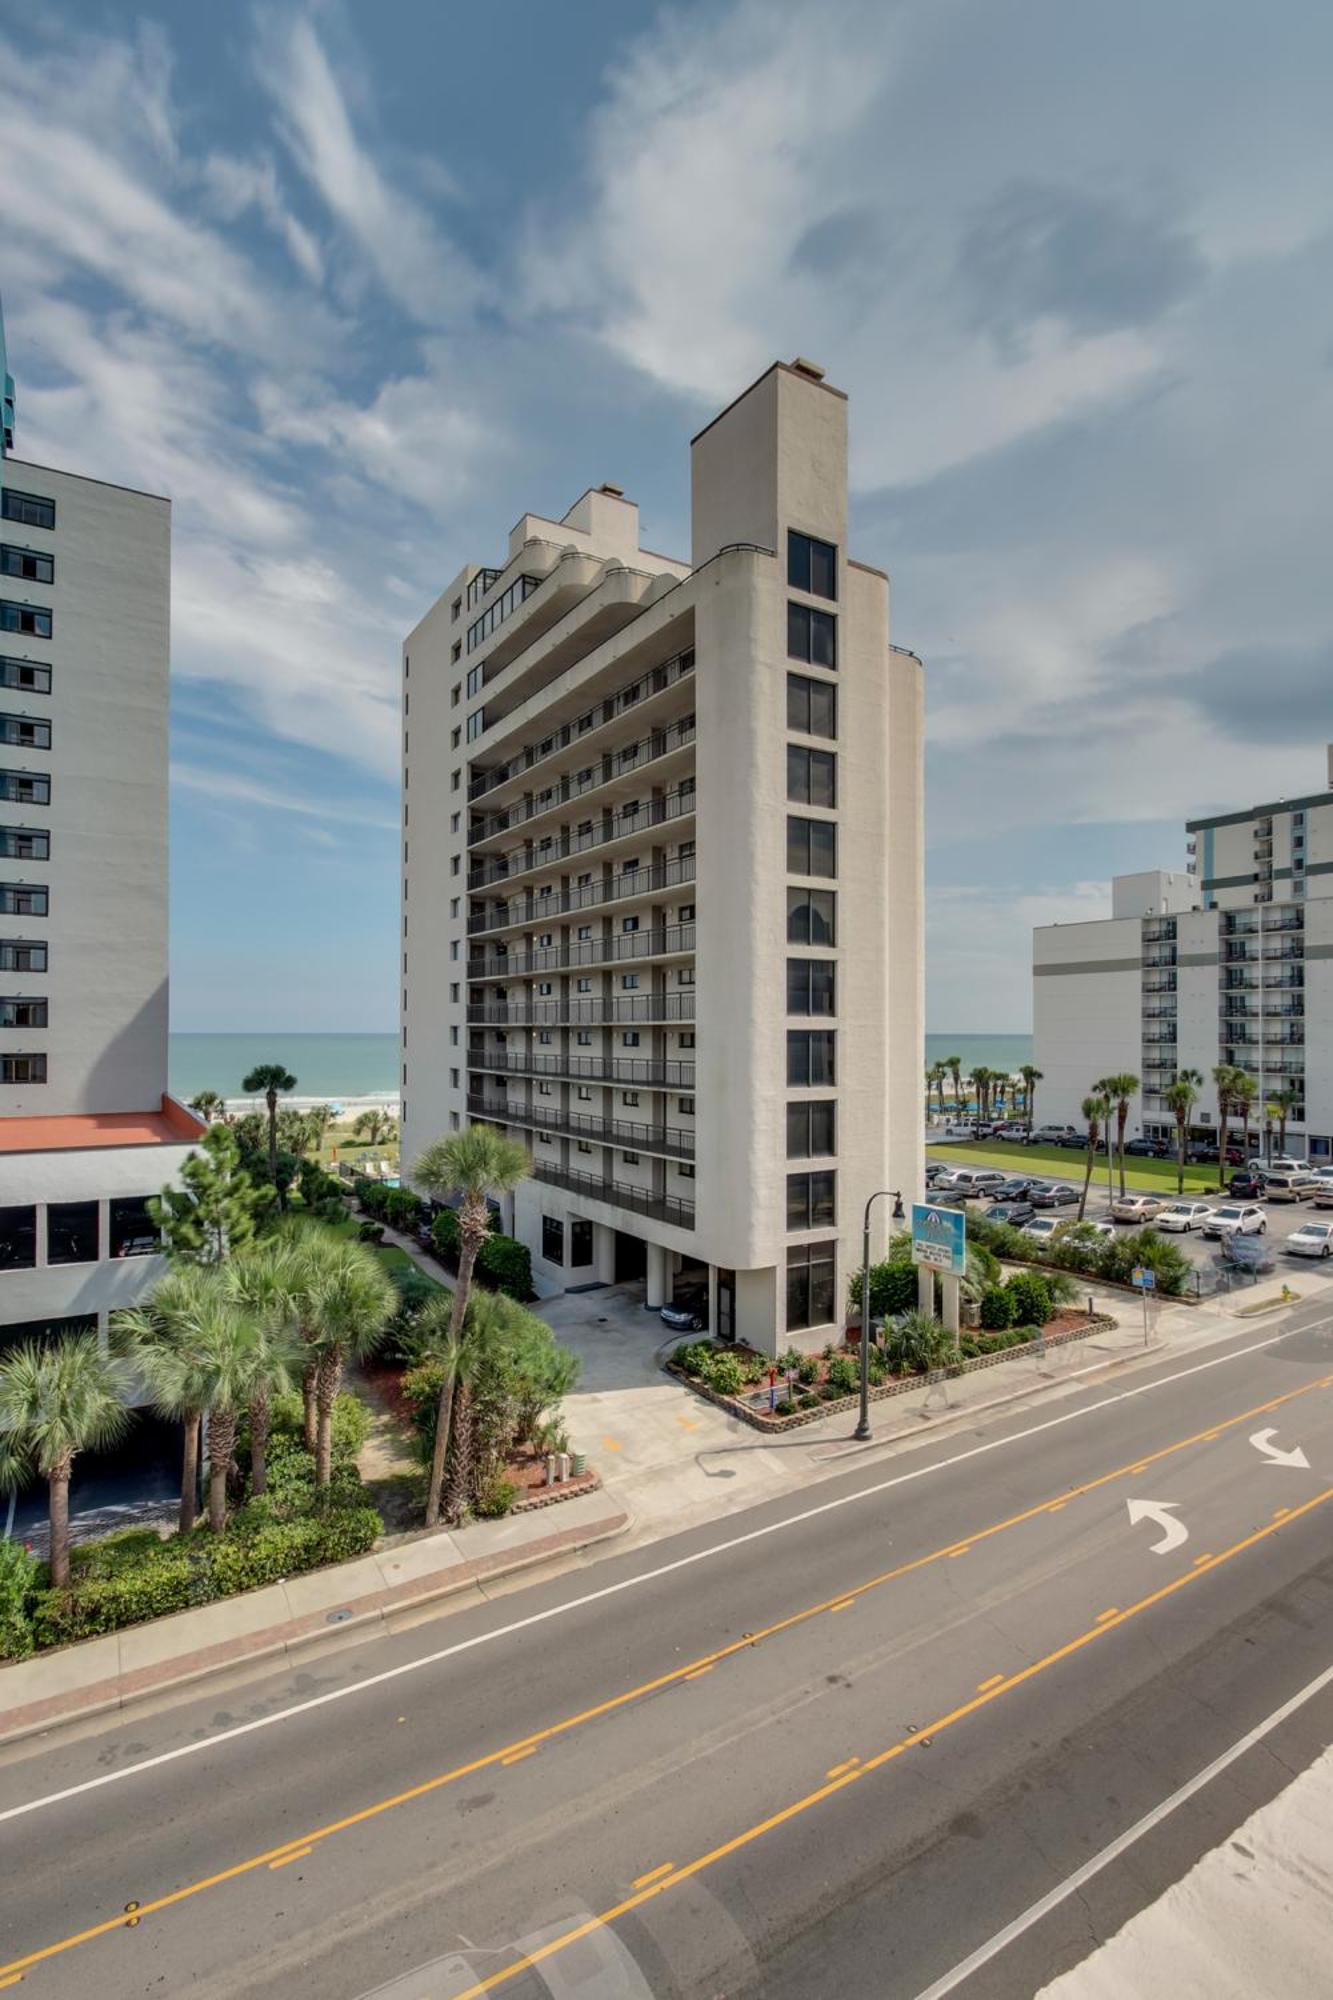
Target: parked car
(1135, 1208)
(1147, 1149)
(1015, 1213)
(1205, 1154)
(1078, 1141)
(1247, 1253)
(687, 1314)
(1183, 1215)
(1014, 1130)
(1323, 1195)
(935, 1170)
(1052, 1135)
(1312, 1239)
(1235, 1217)
(1043, 1227)
(1015, 1187)
(1287, 1160)
(972, 1181)
(1290, 1184)
(1052, 1194)
(1245, 1185)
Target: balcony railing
(560, 903)
(636, 756)
(670, 1141)
(1289, 920)
(1159, 930)
(646, 1070)
(1160, 955)
(618, 1194)
(618, 826)
(581, 1013)
(596, 717)
(674, 941)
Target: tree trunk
(272, 1101)
(1223, 1109)
(311, 1416)
(1122, 1119)
(458, 1483)
(58, 1496)
(259, 1421)
(443, 1424)
(1087, 1174)
(189, 1507)
(468, 1246)
(221, 1444)
(1180, 1156)
(326, 1390)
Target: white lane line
(562, 1610)
(1073, 1883)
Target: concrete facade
(1231, 966)
(86, 1129)
(628, 799)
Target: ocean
(337, 1066)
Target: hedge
(502, 1264)
(1089, 1255)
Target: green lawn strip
(1063, 1163)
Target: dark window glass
(22, 955)
(29, 732)
(31, 509)
(810, 1056)
(31, 676)
(811, 1200)
(25, 843)
(25, 788)
(811, 1128)
(580, 1243)
(133, 1233)
(810, 1284)
(30, 565)
(18, 1239)
(553, 1239)
(24, 899)
(20, 1012)
(812, 706)
(811, 636)
(809, 985)
(71, 1232)
(812, 776)
(22, 1069)
(33, 620)
(812, 565)
(811, 916)
(812, 846)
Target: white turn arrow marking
(1174, 1532)
(1263, 1441)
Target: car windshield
(1226, 1213)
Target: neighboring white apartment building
(1232, 964)
(87, 1131)
(662, 879)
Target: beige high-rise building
(662, 880)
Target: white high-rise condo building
(87, 1131)
(662, 880)
(1229, 963)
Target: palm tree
(1244, 1091)
(1118, 1090)
(1225, 1080)
(1031, 1076)
(477, 1164)
(954, 1065)
(319, 1118)
(264, 1282)
(1181, 1098)
(1270, 1120)
(935, 1076)
(373, 1125)
(165, 1340)
(347, 1301)
(1095, 1109)
(457, 1354)
(270, 1078)
(57, 1399)
(1285, 1101)
(981, 1084)
(208, 1105)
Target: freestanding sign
(939, 1238)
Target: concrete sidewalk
(292, 1618)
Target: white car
(1043, 1227)
(1183, 1215)
(1234, 1218)
(1312, 1239)
(1139, 1208)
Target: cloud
(236, 790)
(978, 940)
(237, 185)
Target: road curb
(296, 1638)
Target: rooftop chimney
(816, 374)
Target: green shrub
(374, 1198)
(1029, 1298)
(807, 1368)
(505, 1266)
(784, 1407)
(496, 1497)
(444, 1235)
(809, 1402)
(18, 1588)
(844, 1374)
(997, 1308)
(916, 1342)
(371, 1232)
(724, 1373)
(158, 1585)
(893, 1287)
(693, 1357)
(789, 1361)
(403, 1210)
(1168, 1262)
(350, 1428)
(754, 1365)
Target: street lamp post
(862, 1431)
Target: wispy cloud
(234, 789)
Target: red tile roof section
(171, 1125)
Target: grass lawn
(393, 1259)
(1064, 1164)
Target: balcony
(1289, 920)
(584, 1013)
(626, 762)
(597, 717)
(1159, 1037)
(670, 1142)
(1160, 982)
(672, 806)
(644, 1070)
(675, 941)
(1160, 955)
(1159, 930)
(1238, 926)
(618, 1194)
(529, 910)
(1160, 1013)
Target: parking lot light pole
(862, 1431)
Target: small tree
(1285, 1102)
(56, 1400)
(1031, 1078)
(208, 1105)
(268, 1079)
(1095, 1109)
(1225, 1079)
(1181, 1098)
(216, 1209)
(954, 1065)
(1244, 1093)
(1118, 1090)
(373, 1125)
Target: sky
(357, 285)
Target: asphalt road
(831, 1747)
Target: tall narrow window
(812, 847)
(812, 706)
(811, 1127)
(810, 986)
(810, 1056)
(812, 916)
(811, 1200)
(812, 636)
(812, 565)
(812, 776)
(811, 1291)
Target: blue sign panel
(939, 1238)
